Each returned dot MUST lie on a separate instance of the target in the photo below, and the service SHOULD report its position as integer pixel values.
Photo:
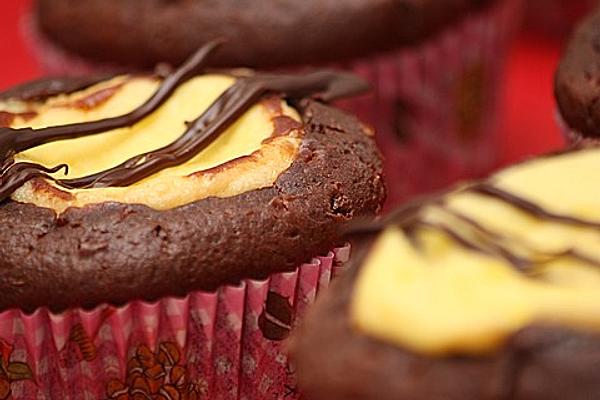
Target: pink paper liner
(204, 346)
(435, 108)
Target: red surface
(529, 125)
(17, 64)
(529, 110)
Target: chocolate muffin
(142, 33)
(434, 65)
(138, 187)
(576, 87)
(486, 291)
(216, 196)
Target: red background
(528, 115)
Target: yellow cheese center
(245, 160)
(441, 298)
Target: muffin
(486, 291)
(162, 232)
(576, 83)
(434, 64)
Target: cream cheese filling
(244, 158)
(443, 299)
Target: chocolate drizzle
(478, 238)
(13, 141)
(529, 207)
(201, 132)
(15, 175)
(323, 85)
(45, 88)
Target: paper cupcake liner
(435, 108)
(229, 344)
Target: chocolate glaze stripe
(527, 206)
(45, 88)
(15, 175)
(485, 247)
(474, 224)
(581, 257)
(224, 111)
(13, 141)
(324, 85)
(490, 243)
(457, 237)
(493, 240)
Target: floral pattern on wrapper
(11, 371)
(158, 375)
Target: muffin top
(261, 34)
(461, 272)
(576, 83)
(487, 291)
(141, 186)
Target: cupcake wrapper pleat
(228, 344)
(435, 107)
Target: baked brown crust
(116, 252)
(260, 34)
(538, 363)
(577, 81)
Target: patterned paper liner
(434, 107)
(223, 345)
